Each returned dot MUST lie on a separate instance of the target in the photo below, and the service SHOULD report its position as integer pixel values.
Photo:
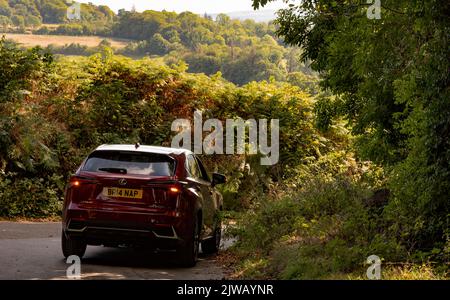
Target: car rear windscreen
(134, 163)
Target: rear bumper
(164, 231)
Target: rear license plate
(122, 193)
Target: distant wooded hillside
(243, 51)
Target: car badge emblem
(122, 181)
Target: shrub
(30, 197)
(322, 229)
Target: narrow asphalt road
(32, 251)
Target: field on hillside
(30, 40)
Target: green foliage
(53, 11)
(307, 83)
(71, 49)
(5, 21)
(55, 113)
(18, 21)
(326, 111)
(320, 229)
(242, 51)
(5, 9)
(30, 197)
(20, 125)
(391, 77)
(75, 49)
(33, 13)
(17, 69)
(309, 215)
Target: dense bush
(321, 224)
(77, 49)
(390, 78)
(36, 197)
(53, 113)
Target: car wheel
(189, 252)
(211, 245)
(72, 246)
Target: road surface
(32, 251)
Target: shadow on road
(133, 258)
(33, 251)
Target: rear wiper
(114, 170)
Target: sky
(195, 6)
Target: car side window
(193, 168)
(204, 174)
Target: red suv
(136, 195)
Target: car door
(204, 186)
(216, 198)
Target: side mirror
(218, 179)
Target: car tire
(72, 246)
(212, 245)
(188, 253)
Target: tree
(200, 63)
(207, 45)
(20, 9)
(53, 11)
(107, 12)
(158, 45)
(392, 79)
(17, 69)
(5, 21)
(223, 20)
(32, 21)
(18, 21)
(5, 9)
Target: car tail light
(76, 181)
(81, 188)
(174, 192)
(174, 189)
